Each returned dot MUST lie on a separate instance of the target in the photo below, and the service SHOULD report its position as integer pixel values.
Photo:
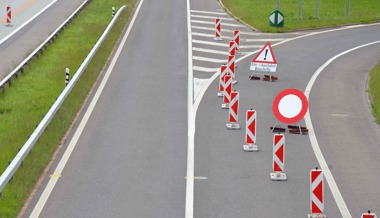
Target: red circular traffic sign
(290, 106)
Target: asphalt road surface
(130, 160)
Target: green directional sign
(276, 19)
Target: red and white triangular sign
(266, 55)
(264, 60)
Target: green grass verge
(332, 12)
(24, 103)
(374, 91)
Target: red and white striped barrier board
(9, 15)
(250, 131)
(236, 38)
(278, 158)
(234, 111)
(223, 72)
(227, 89)
(218, 27)
(316, 193)
(368, 215)
(231, 67)
(232, 47)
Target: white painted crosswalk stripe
(208, 12)
(224, 44)
(210, 51)
(263, 40)
(198, 58)
(213, 23)
(210, 17)
(209, 35)
(205, 69)
(226, 30)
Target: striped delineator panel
(231, 66)
(227, 88)
(250, 130)
(278, 153)
(236, 38)
(316, 191)
(218, 24)
(234, 107)
(223, 72)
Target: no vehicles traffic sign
(290, 106)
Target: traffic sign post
(290, 106)
(278, 158)
(227, 91)
(218, 27)
(264, 61)
(316, 194)
(223, 71)
(368, 215)
(234, 112)
(276, 19)
(250, 131)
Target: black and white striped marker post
(67, 76)
(113, 11)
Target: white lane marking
(213, 23)
(209, 59)
(227, 30)
(210, 35)
(212, 51)
(211, 17)
(27, 22)
(263, 40)
(198, 84)
(314, 142)
(205, 69)
(189, 207)
(224, 44)
(208, 12)
(58, 171)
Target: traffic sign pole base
(233, 126)
(278, 177)
(234, 82)
(220, 94)
(218, 39)
(226, 106)
(250, 148)
(316, 216)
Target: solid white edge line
(314, 142)
(27, 22)
(189, 209)
(58, 171)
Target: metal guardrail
(24, 151)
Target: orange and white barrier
(278, 158)
(236, 38)
(368, 215)
(223, 72)
(250, 131)
(233, 111)
(227, 89)
(9, 15)
(232, 46)
(231, 68)
(316, 193)
(218, 28)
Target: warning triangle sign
(266, 55)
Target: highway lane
(15, 49)
(238, 183)
(130, 160)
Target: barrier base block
(316, 216)
(220, 94)
(250, 148)
(218, 38)
(226, 106)
(234, 82)
(278, 177)
(233, 126)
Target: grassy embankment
(374, 90)
(332, 13)
(24, 103)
